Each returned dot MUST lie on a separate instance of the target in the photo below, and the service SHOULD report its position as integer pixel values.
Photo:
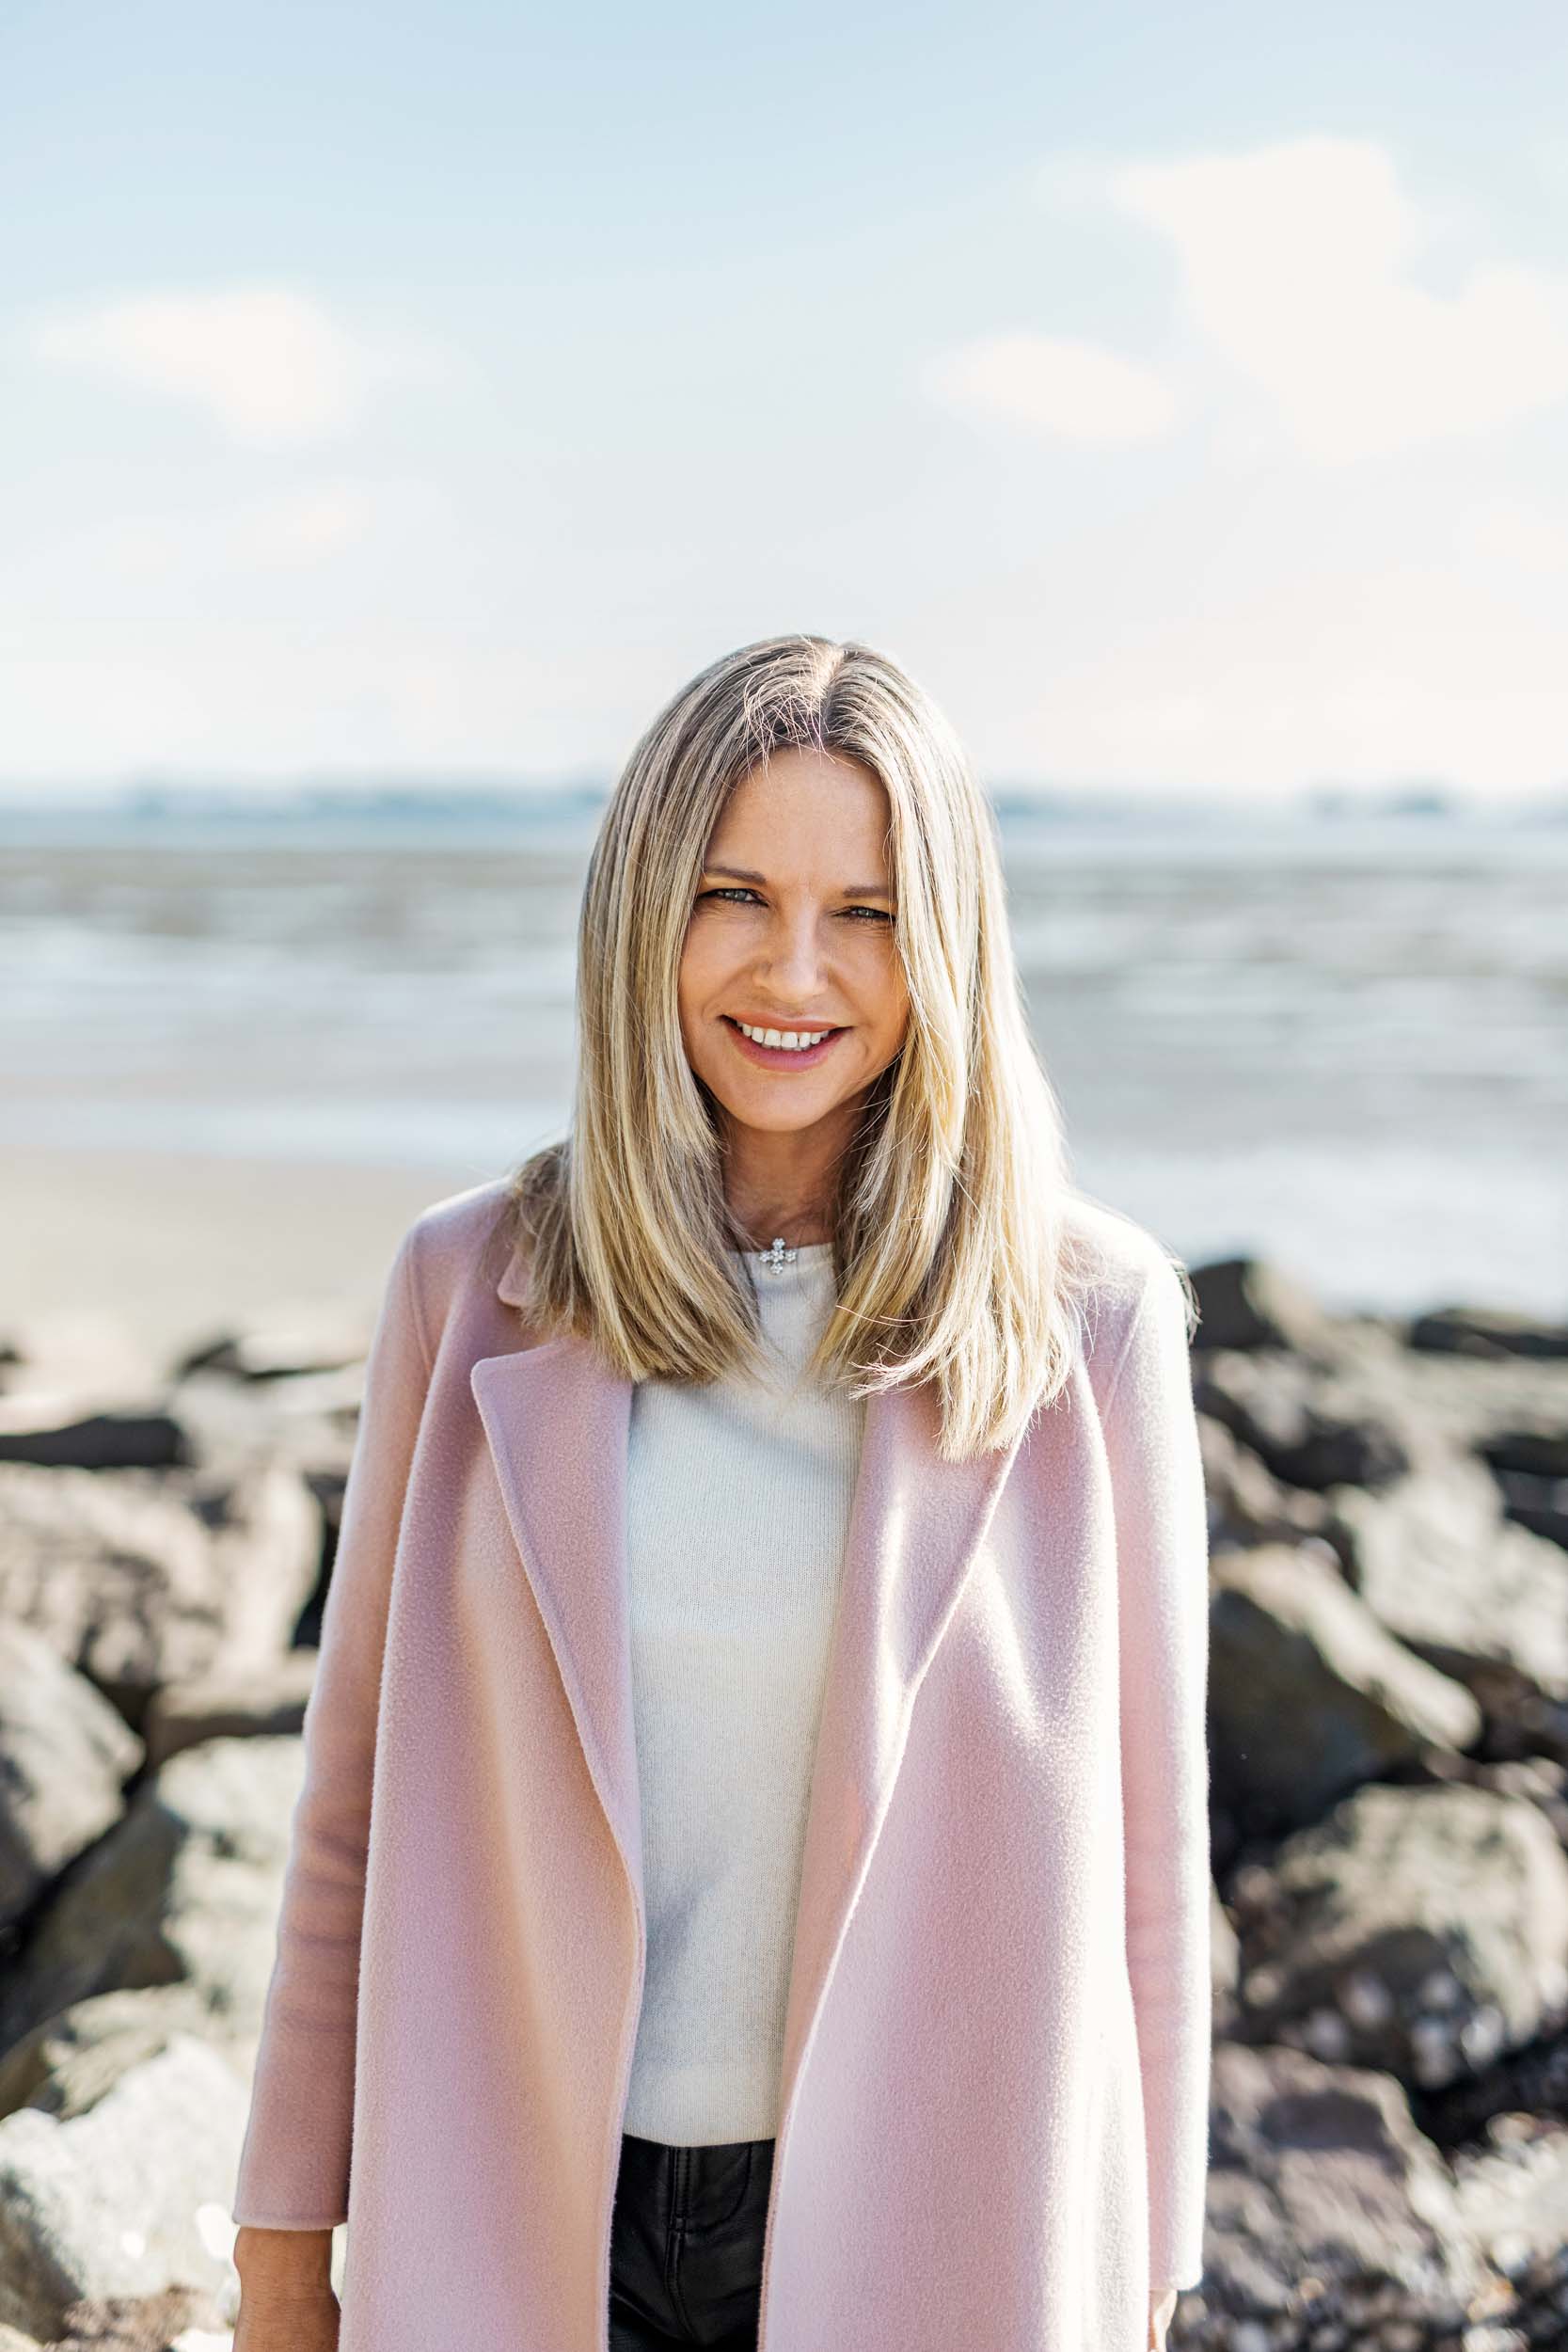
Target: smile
(782, 1049)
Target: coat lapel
(556, 1420)
(915, 1525)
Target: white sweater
(738, 1505)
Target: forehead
(804, 814)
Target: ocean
(1339, 1041)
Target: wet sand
(175, 1245)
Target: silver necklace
(776, 1257)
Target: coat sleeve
(1163, 1581)
(293, 2161)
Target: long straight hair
(957, 1258)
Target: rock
(1435, 1405)
(1479, 1597)
(1304, 1433)
(271, 1700)
(1539, 1452)
(74, 1360)
(149, 2323)
(1542, 1780)
(1248, 1505)
(1513, 2193)
(65, 1754)
(1325, 2205)
(224, 1410)
(1308, 1694)
(1540, 1504)
(1246, 1303)
(1486, 1332)
(1225, 1958)
(185, 1889)
(308, 1337)
(139, 1580)
(1422, 1931)
(122, 2200)
(122, 1441)
(65, 2065)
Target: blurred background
(397, 410)
(396, 414)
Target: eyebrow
(850, 890)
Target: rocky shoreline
(1388, 1745)
(1388, 1739)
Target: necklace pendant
(778, 1257)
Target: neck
(783, 1184)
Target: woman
(750, 1885)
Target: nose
(791, 964)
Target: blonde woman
(750, 1885)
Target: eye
(735, 892)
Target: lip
(780, 1056)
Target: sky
(1181, 394)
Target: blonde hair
(954, 1259)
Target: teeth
(793, 1041)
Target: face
(791, 930)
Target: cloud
(308, 526)
(1510, 536)
(1297, 264)
(1054, 385)
(270, 366)
(210, 550)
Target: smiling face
(791, 931)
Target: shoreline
(172, 1245)
(175, 1245)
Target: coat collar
(556, 1420)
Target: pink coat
(993, 2107)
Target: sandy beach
(176, 1245)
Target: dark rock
(109, 2204)
(102, 1441)
(1324, 2196)
(1486, 1332)
(269, 1702)
(1477, 1596)
(1284, 1413)
(65, 2065)
(1541, 1453)
(309, 1338)
(1308, 1695)
(65, 1754)
(1248, 1505)
(1246, 1303)
(1422, 1931)
(140, 1581)
(185, 1889)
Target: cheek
(889, 991)
(694, 973)
(700, 982)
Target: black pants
(686, 2244)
